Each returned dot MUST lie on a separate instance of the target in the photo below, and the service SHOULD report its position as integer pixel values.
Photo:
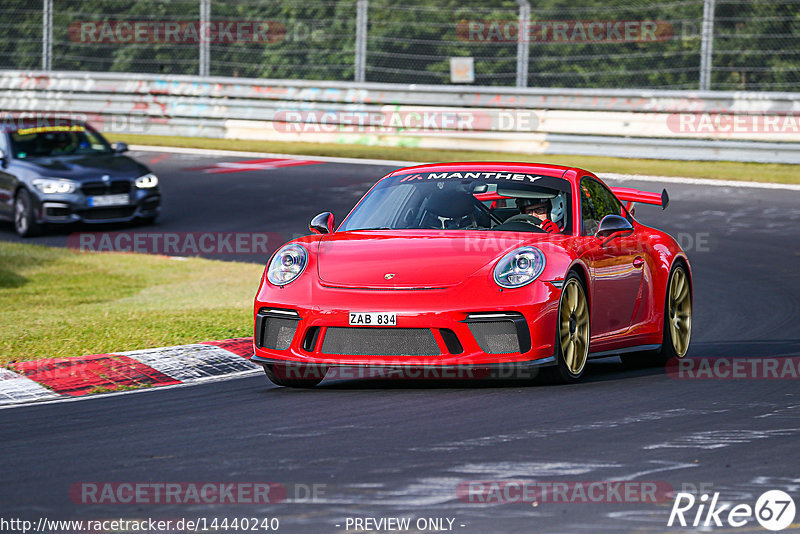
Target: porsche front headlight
(287, 264)
(519, 267)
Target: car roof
(556, 171)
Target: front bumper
(473, 324)
(74, 207)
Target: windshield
(464, 201)
(48, 141)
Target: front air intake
(500, 333)
(275, 329)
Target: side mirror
(120, 147)
(322, 223)
(3, 157)
(611, 226)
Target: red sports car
(476, 266)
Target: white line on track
(388, 162)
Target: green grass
(58, 302)
(725, 170)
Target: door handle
(638, 262)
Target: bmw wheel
(24, 219)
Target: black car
(69, 173)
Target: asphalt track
(381, 448)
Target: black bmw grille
(380, 341)
(106, 188)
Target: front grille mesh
(278, 333)
(102, 188)
(108, 213)
(496, 337)
(380, 341)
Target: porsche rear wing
(630, 195)
(625, 194)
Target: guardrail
(626, 123)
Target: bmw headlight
(519, 267)
(51, 186)
(148, 181)
(287, 264)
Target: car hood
(85, 168)
(408, 258)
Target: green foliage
(755, 45)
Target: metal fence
(668, 44)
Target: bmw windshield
(464, 201)
(52, 141)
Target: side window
(588, 216)
(596, 203)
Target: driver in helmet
(62, 144)
(541, 209)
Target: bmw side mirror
(612, 226)
(120, 147)
(322, 223)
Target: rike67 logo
(774, 510)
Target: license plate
(109, 200)
(373, 319)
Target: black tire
(147, 221)
(295, 375)
(578, 326)
(669, 348)
(24, 219)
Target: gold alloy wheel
(574, 326)
(680, 312)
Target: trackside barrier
(689, 125)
